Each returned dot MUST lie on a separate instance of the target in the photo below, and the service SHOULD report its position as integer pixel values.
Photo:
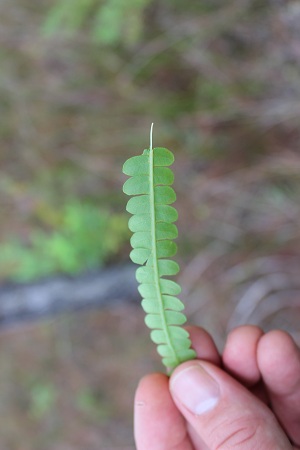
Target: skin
(257, 381)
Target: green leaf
(151, 305)
(163, 175)
(139, 184)
(163, 157)
(152, 224)
(167, 267)
(165, 213)
(176, 333)
(169, 287)
(164, 195)
(136, 165)
(141, 239)
(139, 205)
(139, 222)
(170, 318)
(140, 255)
(166, 231)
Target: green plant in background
(153, 230)
(110, 21)
(42, 398)
(84, 237)
(94, 404)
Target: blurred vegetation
(80, 83)
(42, 398)
(82, 80)
(83, 237)
(109, 22)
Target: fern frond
(152, 224)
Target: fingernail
(195, 389)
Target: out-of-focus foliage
(236, 51)
(108, 22)
(82, 237)
(219, 79)
(42, 398)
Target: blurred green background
(80, 83)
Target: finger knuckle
(237, 433)
(241, 436)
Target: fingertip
(240, 353)
(278, 340)
(279, 361)
(203, 344)
(150, 386)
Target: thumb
(222, 412)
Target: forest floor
(68, 383)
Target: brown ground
(75, 390)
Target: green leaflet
(152, 225)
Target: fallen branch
(50, 296)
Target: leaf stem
(151, 133)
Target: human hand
(248, 399)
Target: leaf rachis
(151, 135)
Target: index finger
(158, 423)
